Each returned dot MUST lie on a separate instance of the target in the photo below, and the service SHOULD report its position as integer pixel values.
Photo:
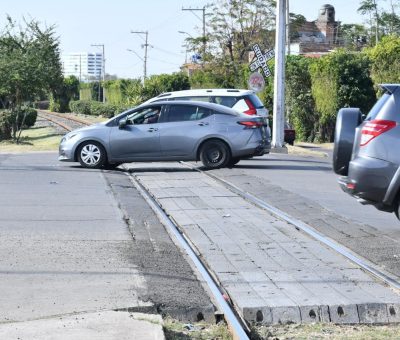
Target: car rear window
(378, 106)
(256, 101)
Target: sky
(82, 23)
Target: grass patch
(33, 139)
(328, 331)
(175, 330)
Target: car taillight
(251, 124)
(252, 110)
(374, 128)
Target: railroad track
(233, 317)
(65, 121)
(235, 321)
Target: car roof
(211, 106)
(204, 92)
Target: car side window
(148, 115)
(181, 113)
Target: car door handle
(202, 124)
(152, 129)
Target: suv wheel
(214, 154)
(346, 122)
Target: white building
(85, 66)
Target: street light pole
(204, 25)
(146, 44)
(279, 79)
(186, 45)
(103, 68)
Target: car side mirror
(122, 123)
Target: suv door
(140, 138)
(184, 125)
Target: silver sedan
(169, 131)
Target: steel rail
(66, 127)
(305, 228)
(64, 116)
(236, 325)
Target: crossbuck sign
(261, 60)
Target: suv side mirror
(122, 123)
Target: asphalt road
(74, 240)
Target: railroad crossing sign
(261, 60)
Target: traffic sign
(256, 82)
(261, 61)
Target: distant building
(85, 66)
(317, 37)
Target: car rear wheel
(214, 154)
(346, 122)
(91, 155)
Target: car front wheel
(214, 154)
(91, 155)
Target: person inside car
(152, 117)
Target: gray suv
(366, 152)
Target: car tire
(214, 154)
(232, 162)
(92, 155)
(346, 122)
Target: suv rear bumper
(368, 180)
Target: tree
(371, 7)
(385, 59)
(354, 36)
(29, 64)
(69, 90)
(233, 27)
(340, 79)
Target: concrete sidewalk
(66, 256)
(273, 272)
(89, 326)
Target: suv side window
(181, 113)
(225, 101)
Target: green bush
(300, 104)
(81, 106)
(30, 117)
(340, 79)
(61, 96)
(385, 58)
(91, 107)
(103, 109)
(6, 120)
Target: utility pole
(279, 79)
(146, 44)
(288, 27)
(204, 25)
(103, 69)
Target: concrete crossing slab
(272, 272)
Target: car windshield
(378, 106)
